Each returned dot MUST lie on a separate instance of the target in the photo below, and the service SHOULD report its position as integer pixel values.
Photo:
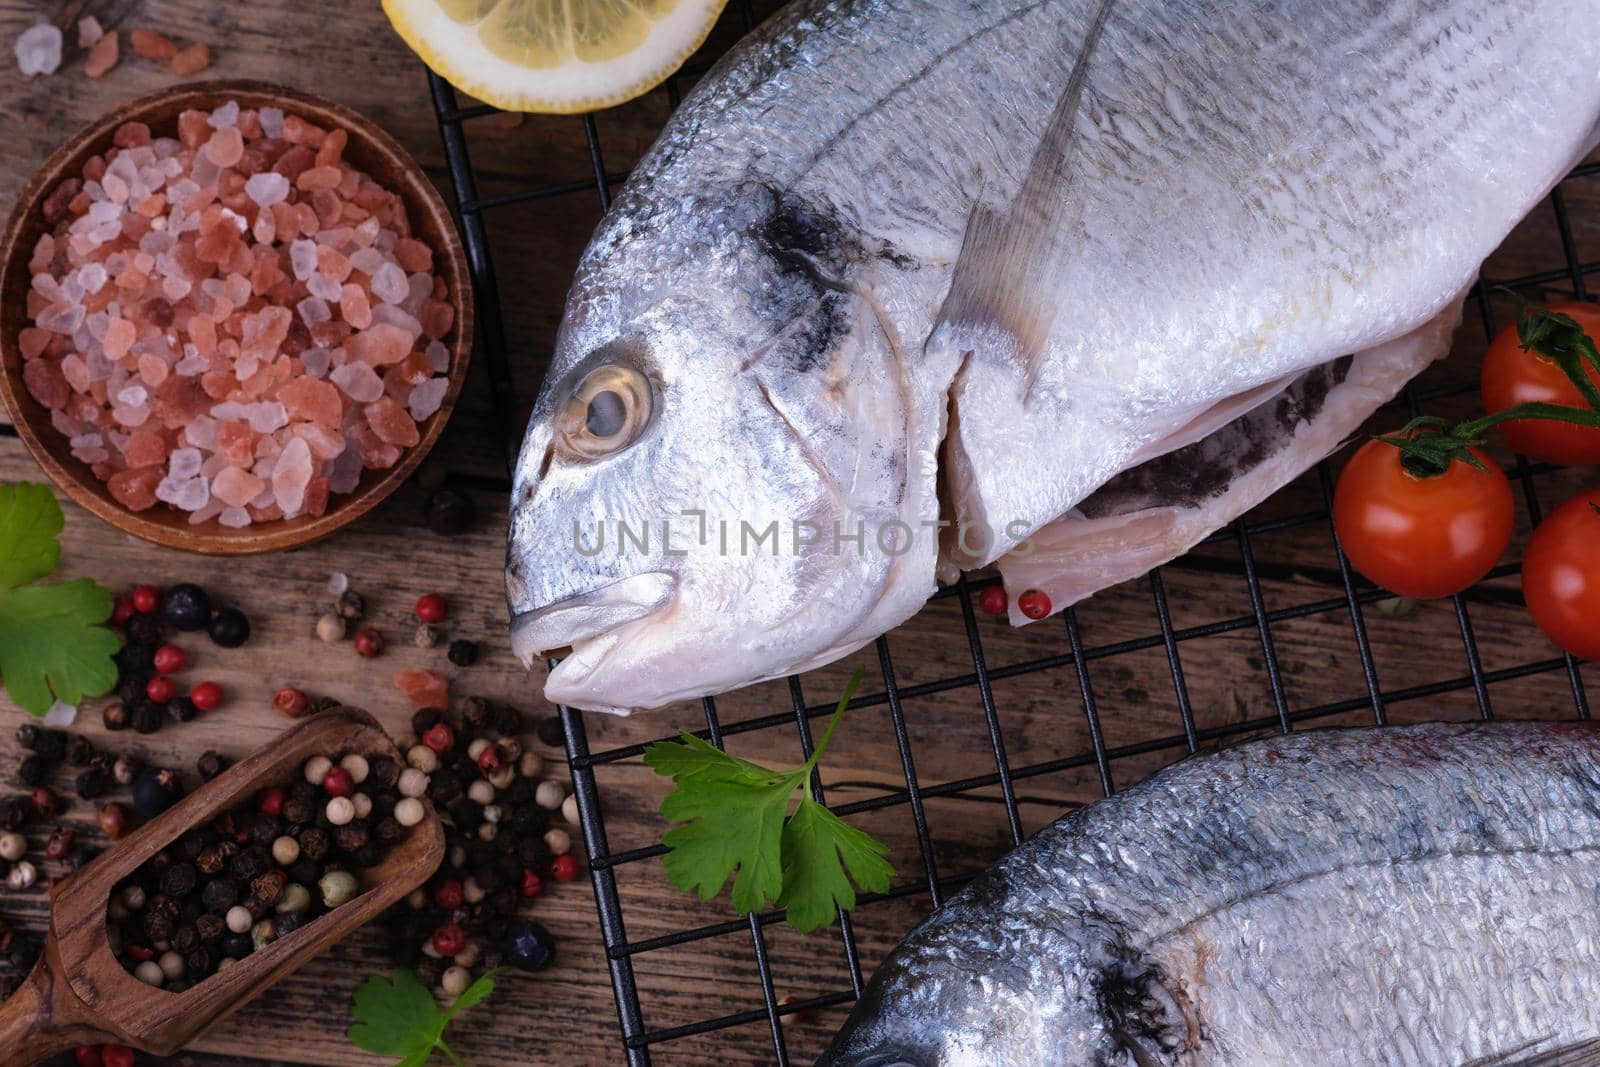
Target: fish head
(703, 486)
(977, 987)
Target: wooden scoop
(79, 994)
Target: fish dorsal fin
(999, 290)
(1584, 1053)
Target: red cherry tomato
(1421, 537)
(1561, 576)
(1512, 376)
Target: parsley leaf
(52, 646)
(397, 1016)
(733, 819)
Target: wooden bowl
(371, 150)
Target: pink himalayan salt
(426, 689)
(136, 489)
(45, 383)
(290, 475)
(313, 401)
(192, 267)
(236, 487)
(381, 344)
(391, 422)
(436, 317)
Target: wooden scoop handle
(30, 1027)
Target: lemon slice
(557, 56)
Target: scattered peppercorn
(170, 659)
(122, 610)
(229, 629)
(146, 599)
(350, 606)
(432, 608)
(439, 737)
(564, 868)
(207, 696)
(80, 750)
(291, 702)
(425, 637)
(182, 709)
(113, 820)
(529, 946)
(126, 769)
(211, 764)
(156, 790)
(463, 653)
(369, 643)
(161, 689)
(114, 716)
(992, 600)
(33, 770)
(186, 606)
(147, 716)
(1034, 604)
(330, 628)
(550, 731)
(449, 512)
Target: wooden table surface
(566, 1014)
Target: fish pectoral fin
(1001, 301)
(1585, 1053)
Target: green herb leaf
(397, 1016)
(30, 521)
(818, 849)
(735, 821)
(52, 646)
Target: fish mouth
(582, 620)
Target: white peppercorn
(558, 841)
(503, 778)
(477, 748)
(171, 965)
(512, 749)
(296, 898)
(423, 758)
(263, 933)
(358, 767)
(363, 805)
(338, 887)
(455, 981)
(487, 831)
(116, 911)
(317, 768)
(480, 792)
(150, 973)
(531, 765)
(429, 951)
(285, 850)
(341, 810)
(469, 955)
(472, 892)
(413, 783)
(330, 628)
(549, 795)
(23, 874)
(409, 811)
(569, 810)
(458, 855)
(133, 897)
(13, 847)
(493, 813)
(239, 919)
(417, 899)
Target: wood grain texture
(566, 1014)
(370, 150)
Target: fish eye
(607, 411)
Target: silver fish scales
(1420, 896)
(903, 262)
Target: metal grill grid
(637, 1038)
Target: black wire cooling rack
(1348, 597)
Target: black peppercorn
(466, 814)
(352, 836)
(388, 831)
(322, 704)
(130, 687)
(229, 629)
(211, 763)
(182, 709)
(549, 731)
(28, 735)
(80, 750)
(157, 927)
(463, 653)
(284, 925)
(529, 820)
(425, 719)
(15, 812)
(297, 812)
(368, 855)
(449, 513)
(154, 791)
(164, 906)
(185, 939)
(315, 843)
(33, 770)
(210, 927)
(115, 716)
(145, 630)
(266, 888)
(533, 852)
(214, 858)
(250, 862)
(135, 658)
(191, 908)
(220, 894)
(92, 783)
(147, 716)
(198, 961)
(186, 606)
(383, 772)
(444, 786)
(265, 829)
(189, 847)
(304, 871)
(237, 946)
(178, 880)
(477, 711)
(126, 769)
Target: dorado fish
(1354, 898)
(908, 287)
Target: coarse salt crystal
(133, 396)
(426, 398)
(267, 188)
(316, 361)
(224, 116)
(235, 518)
(268, 416)
(89, 31)
(438, 356)
(39, 50)
(358, 380)
(367, 260)
(303, 259)
(324, 288)
(389, 284)
(271, 121)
